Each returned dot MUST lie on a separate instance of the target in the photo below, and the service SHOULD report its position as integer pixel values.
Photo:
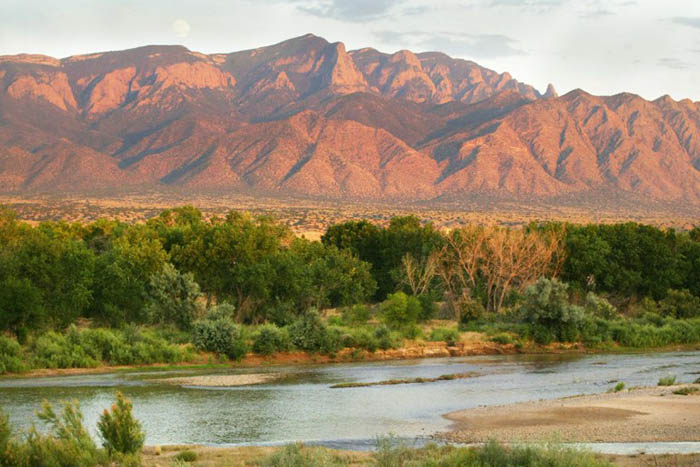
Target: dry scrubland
(311, 218)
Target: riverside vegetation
(180, 285)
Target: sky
(648, 47)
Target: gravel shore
(220, 380)
(638, 415)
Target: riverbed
(300, 405)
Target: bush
(619, 387)
(356, 314)
(309, 332)
(218, 334)
(449, 335)
(386, 339)
(297, 455)
(119, 430)
(66, 443)
(186, 456)
(667, 381)
(471, 310)
(680, 304)
(502, 338)
(400, 310)
(270, 339)
(600, 307)
(11, 356)
(428, 307)
(361, 339)
(548, 309)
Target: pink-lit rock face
(306, 117)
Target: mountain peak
(550, 92)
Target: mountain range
(308, 118)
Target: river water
(303, 407)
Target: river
(303, 407)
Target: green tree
(546, 307)
(120, 431)
(173, 297)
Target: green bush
(309, 332)
(386, 339)
(667, 381)
(186, 456)
(449, 335)
(400, 310)
(356, 314)
(270, 339)
(67, 442)
(548, 309)
(361, 338)
(502, 338)
(470, 311)
(219, 335)
(297, 455)
(11, 356)
(600, 307)
(619, 387)
(119, 430)
(680, 304)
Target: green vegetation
(391, 453)
(186, 456)
(119, 430)
(667, 381)
(687, 390)
(391, 382)
(68, 442)
(107, 292)
(619, 387)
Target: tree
(546, 307)
(173, 297)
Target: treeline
(175, 267)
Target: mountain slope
(307, 118)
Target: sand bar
(219, 381)
(638, 415)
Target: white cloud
(181, 28)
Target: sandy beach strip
(636, 415)
(219, 381)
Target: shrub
(471, 310)
(428, 307)
(400, 310)
(11, 356)
(667, 381)
(66, 443)
(449, 335)
(361, 339)
(619, 387)
(547, 306)
(270, 339)
(502, 338)
(385, 338)
(600, 307)
(186, 456)
(218, 334)
(680, 304)
(356, 314)
(686, 391)
(297, 455)
(309, 332)
(119, 430)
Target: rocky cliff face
(306, 117)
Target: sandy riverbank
(638, 415)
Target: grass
(667, 381)
(392, 453)
(687, 390)
(389, 382)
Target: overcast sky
(649, 47)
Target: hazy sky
(650, 47)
